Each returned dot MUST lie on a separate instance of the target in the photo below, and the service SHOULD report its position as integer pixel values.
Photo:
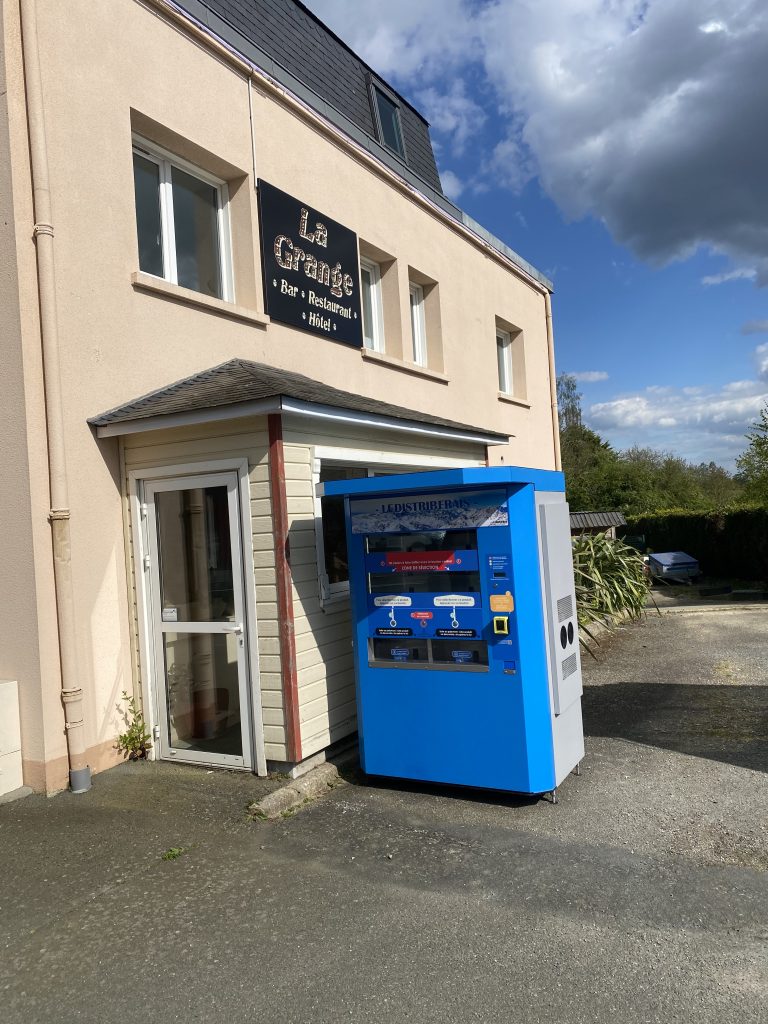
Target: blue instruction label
(499, 565)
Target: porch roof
(241, 388)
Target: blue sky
(621, 147)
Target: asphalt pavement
(641, 896)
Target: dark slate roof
(596, 520)
(239, 380)
(292, 36)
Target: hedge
(730, 544)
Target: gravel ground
(641, 896)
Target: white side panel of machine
(556, 564)
(568, 741)
(560, 604)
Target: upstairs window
(182, 223)
(387, 116)
(373, 318)
(418, 325)
(504, 358)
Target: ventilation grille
(569, 666)
(564, 608)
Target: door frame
(190, 627)
(152, 688)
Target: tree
(717, 485)
(568, 401)
(588, 464)
(753, 463)
(642, 480)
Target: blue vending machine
(464, 620)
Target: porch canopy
(240, 388)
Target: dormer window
(386, 114)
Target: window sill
(513, 401)
(399, 364)
(335, 602)
(157, 286)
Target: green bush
(731, 543)
(611, 581)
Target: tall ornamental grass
(611, 581)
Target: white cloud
(452, 114)
(738, 274)
(642, 113)
(453, 186)
(710, 412)
(509, 165)
(713, 26)
(590, 376)
(698, 423)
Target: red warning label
(419, 561)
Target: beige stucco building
(175, 386)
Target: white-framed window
(373, 313)
(182, 222)
(418, 325)
(330, 528)
(332, 546)
(386, 115)
(504, 360)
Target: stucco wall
(18, 611)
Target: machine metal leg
(553, 795)
(577, 769)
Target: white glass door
(197, 614)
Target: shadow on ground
(722, 723)
(470, 795)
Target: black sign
(392, 631)
(311, 272)
(455, 632)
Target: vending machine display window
(425, 585)
(433, 540)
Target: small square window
(373, 316)
(182, 223)
(418, 325)
(387, 118)
(334, 527)
(504, 359)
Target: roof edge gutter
(296, 407)
(552, 383)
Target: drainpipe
(71, 691)
(552, 381)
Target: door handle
(238, 628)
